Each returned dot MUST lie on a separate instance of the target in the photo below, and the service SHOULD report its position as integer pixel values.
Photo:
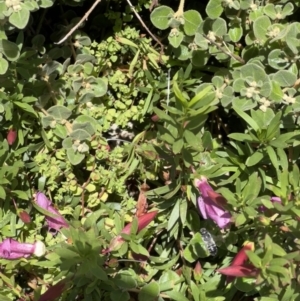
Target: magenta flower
(56, 222)
(211, 204)
(12, 249)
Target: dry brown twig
(226, 51)
(80, 22)
(92, 8)
(145, 26)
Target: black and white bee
(209, 242)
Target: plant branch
(179, 12)
(80, 22)
(226, 51)
(145, 26)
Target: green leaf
(273, 128)
(3, 65)
(254, 158)
(149, 292)
(254, 259)
(235, 33)
(219, 27)
(191, 139)
(99, 87)
(125, 280)
(200, 95)
(20, 18)
(195, 249)
(177, 146)
(46, 3)
(74, 158)
(240, 219)
(273, 157)
(175, 39)
(59, 112)
(26, 107)
(255, 71)
(248, 119)
(83, 119)
(277, 269)
(192, 19)
(80, 135)
(285, 78)
(10, 50)
(119, 296)
(214, 8)
(67, 143)
(179, 94)
(276, 93)
(86, 126)
(160, 16)
(176, 296)
(200, 58)
(278, 59)
(260, 28)
(241, 137)
(278, 250)
(60, 131)
(174, 217)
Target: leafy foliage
(219, 102)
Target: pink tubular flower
(211, 204)
(12, 249)
(56, 222)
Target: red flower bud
(143, 221)
(197, 271)
(11, 136)
(24, 216)
(154, 118)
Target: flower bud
(24, 216)
(155, 118)
(197, 271)
(264, 220)
(11, 136)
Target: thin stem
(179, 12)
(226, 51)
(41, 22)
(80, 22)
(145, 26)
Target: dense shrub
(151, 155)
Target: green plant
(210, 92)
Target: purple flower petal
(275, 199)
(222, 220)
(42, 200)
(208, 208)
(56, 222)
(12, 249)
(202, 208)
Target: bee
(209, 242)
